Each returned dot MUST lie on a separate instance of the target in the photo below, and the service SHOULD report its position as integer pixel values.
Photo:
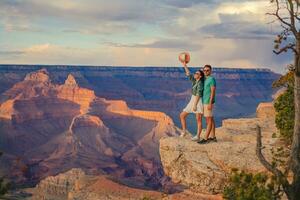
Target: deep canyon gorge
(107, 122)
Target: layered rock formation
(40, 76)
(75, 184)
(6, 109)
(120, 107)
(72, 92)
(50, 128)
(204, 168)
(60, 186)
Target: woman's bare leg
(199, 123)
(183, 116)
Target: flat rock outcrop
(266, 111)
(204, 168)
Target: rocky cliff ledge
(204, 168)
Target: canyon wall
(163, 89)
(48, 128)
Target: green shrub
(248, 186)
(285, 116)
(284, 106)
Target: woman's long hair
(202, 75)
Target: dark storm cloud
(239, 26)
(100, 16)
(238, 30)
(101, 10)
(94, 16)
(116, 10)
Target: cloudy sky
(223, 33)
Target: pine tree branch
(291, 26)
(284, 49)
(276, 14)
(276, 172)
(261, 157)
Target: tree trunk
(295, 163)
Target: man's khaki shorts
(208, 113)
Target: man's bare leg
(213, 130)
(209, 126)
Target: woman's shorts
(190, 105)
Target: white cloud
(42, 48)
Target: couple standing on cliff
(201, 102)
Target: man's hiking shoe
(203, 141)
(213, 139)
(196, 138)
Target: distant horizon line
(128, 66)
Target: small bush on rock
(248, 186)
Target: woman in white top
(195, 104)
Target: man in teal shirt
(209, 94)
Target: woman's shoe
(183, 133)
(203, 141)
(213, 139)
(196, 138)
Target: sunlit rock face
(51, 128)
(6, 109)
(39, 76)
(205, 168)
(76, 184)
(70, 81)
